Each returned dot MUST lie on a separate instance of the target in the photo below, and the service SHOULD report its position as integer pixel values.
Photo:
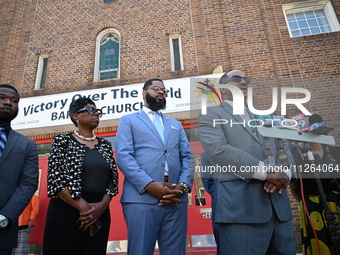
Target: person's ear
(74, 117)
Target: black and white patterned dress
(87, 173)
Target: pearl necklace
(85, 138)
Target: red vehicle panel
(198, 212)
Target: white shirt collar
(148, 111)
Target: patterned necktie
(3, 140)
(158, 124)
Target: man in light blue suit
(252, 208)
(154, 155)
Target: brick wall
(248, 35)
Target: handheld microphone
(264, 120)
(273, 121)
(321, 130)
(317, 126)
(301, 120)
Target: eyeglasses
(238, 79)
(91, 110)
(158, 89)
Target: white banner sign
(52, 110)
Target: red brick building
(249, 35)
(52, 47)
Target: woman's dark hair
(77, 104)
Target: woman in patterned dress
(82, 179)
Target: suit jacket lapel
(12, 139)
(167, 125)
(142, 115)
(227, 107)
(256, 134)
(250, 129)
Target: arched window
(107, 55)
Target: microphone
(317, 126)
(276, 121)
(273, 121)
(260, 120)
(321, 130)
(301, 120)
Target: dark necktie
(3, 140)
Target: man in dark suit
(155, 157)
(251, 207)
(18, 170)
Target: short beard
(9, 117)
(154, 104)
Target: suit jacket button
(163, 165)
(165, 151)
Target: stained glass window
(107, 56)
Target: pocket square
(172, 127)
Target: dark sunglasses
(158, 89)
(238, 79)
(91, 110)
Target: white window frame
(312, 5)
(172, 55)
(97, 57)
(40, 69)
(201, 192)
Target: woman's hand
(94, 228)
(96, 210)
(90, 217)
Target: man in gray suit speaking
(251, 207)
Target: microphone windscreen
(315, 118)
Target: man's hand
(161, 189)
(172, 198)
(276, 181)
